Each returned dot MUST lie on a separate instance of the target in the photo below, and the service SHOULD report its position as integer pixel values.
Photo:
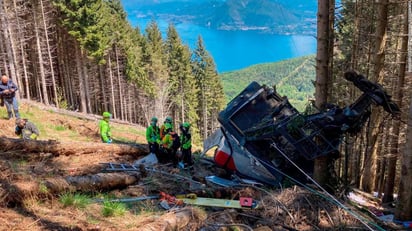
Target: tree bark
(86, 81)
(8, 45)
(399, 95)
(103, 88)
(15, 71)
(79, 63)
(70, 148)
(40, 58)
(97, 182)
(119, 82)
(404, 206)
(109, 63)
(322, 75)
(368, 178)
(49, 53)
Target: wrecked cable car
(264, 138)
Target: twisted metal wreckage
(264, 138)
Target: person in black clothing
(186, 144)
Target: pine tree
(87, 21)
(182, 90)
(154, 61)
(210, 96)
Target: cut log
(70, 148)
(187, 218)
(97, 182)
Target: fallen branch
(70, 148)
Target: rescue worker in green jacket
(153, 137)
(170, 145)
(186, 144)
(104, 128)
(168, 121)
(26, 129)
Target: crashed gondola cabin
(264, 138)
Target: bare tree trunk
(40, 58)
(119, 80)
(23, 57)
(399, 94)
(49, 54)
(129, 108)
(103, 88)
(16, 73)
(404, 205)
(112, 87)
(85, 74)
(369, 175)
(322, 75)
(64, 70)
(83, 107)
(8, 46)
(3, 51)
(381, 162)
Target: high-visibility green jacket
(152, 134)
(167, 141)
(163, 129)
(104, 128)
(186, 140)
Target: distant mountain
(272, 16)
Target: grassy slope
(61, 127)
(293, 78)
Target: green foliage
(182, 91)
(77, 200)
(89, 22)
(293, 78)
(154, 59)
(113, 209)
(211, 96)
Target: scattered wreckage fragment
(262, 136)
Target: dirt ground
(28, 204)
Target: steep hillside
(293, 78)
(63, 125)
(75, 191)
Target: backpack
(176, 140)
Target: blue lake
(234, 50)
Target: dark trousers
(154, 147)
(187, 156)
(167, 155)
(12, 105)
